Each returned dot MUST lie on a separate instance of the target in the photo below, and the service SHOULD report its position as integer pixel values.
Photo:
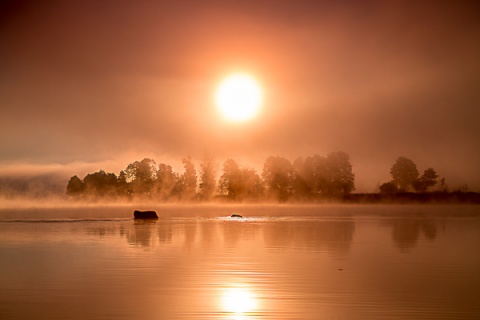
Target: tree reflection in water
(333, 236)
(142, 233)
(407, 231)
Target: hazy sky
(110, 82)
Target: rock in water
(236, 215)
(145, 214)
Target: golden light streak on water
(238, 301)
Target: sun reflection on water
(238, 302)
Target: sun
(239, 97)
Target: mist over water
(279, 262)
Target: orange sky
(110, 82)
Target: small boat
(236, 215)
(144, 214)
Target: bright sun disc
(239, 97)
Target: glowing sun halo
(239, 97)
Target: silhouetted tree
(427, 180)
(388, 188)
(277, 177)
(100, 184)
(75, 186)
(123, 188)
(327, 175)
(165, 183)
(178, 187)
(230, 181)
(340, 176)
(239, 183)
(303, 178)
(251, 184)
(319, 180)
(208, 172)
(404, 172)
(189, 179)
(141, 175)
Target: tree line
(280, 180)
(305, 179)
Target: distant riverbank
(410, 197)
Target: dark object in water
(145, 214)
(236, 215)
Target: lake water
(280, 262)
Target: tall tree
(340, 176)
(318, 175)
(239, 183)
(229, 183)
(189, 179)
(302, 180)
(251, 184)
(278, 176)
(165, 183)
(208, 172)
(404, 172)
(123, 188)
(141, 175)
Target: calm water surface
(283, 262)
